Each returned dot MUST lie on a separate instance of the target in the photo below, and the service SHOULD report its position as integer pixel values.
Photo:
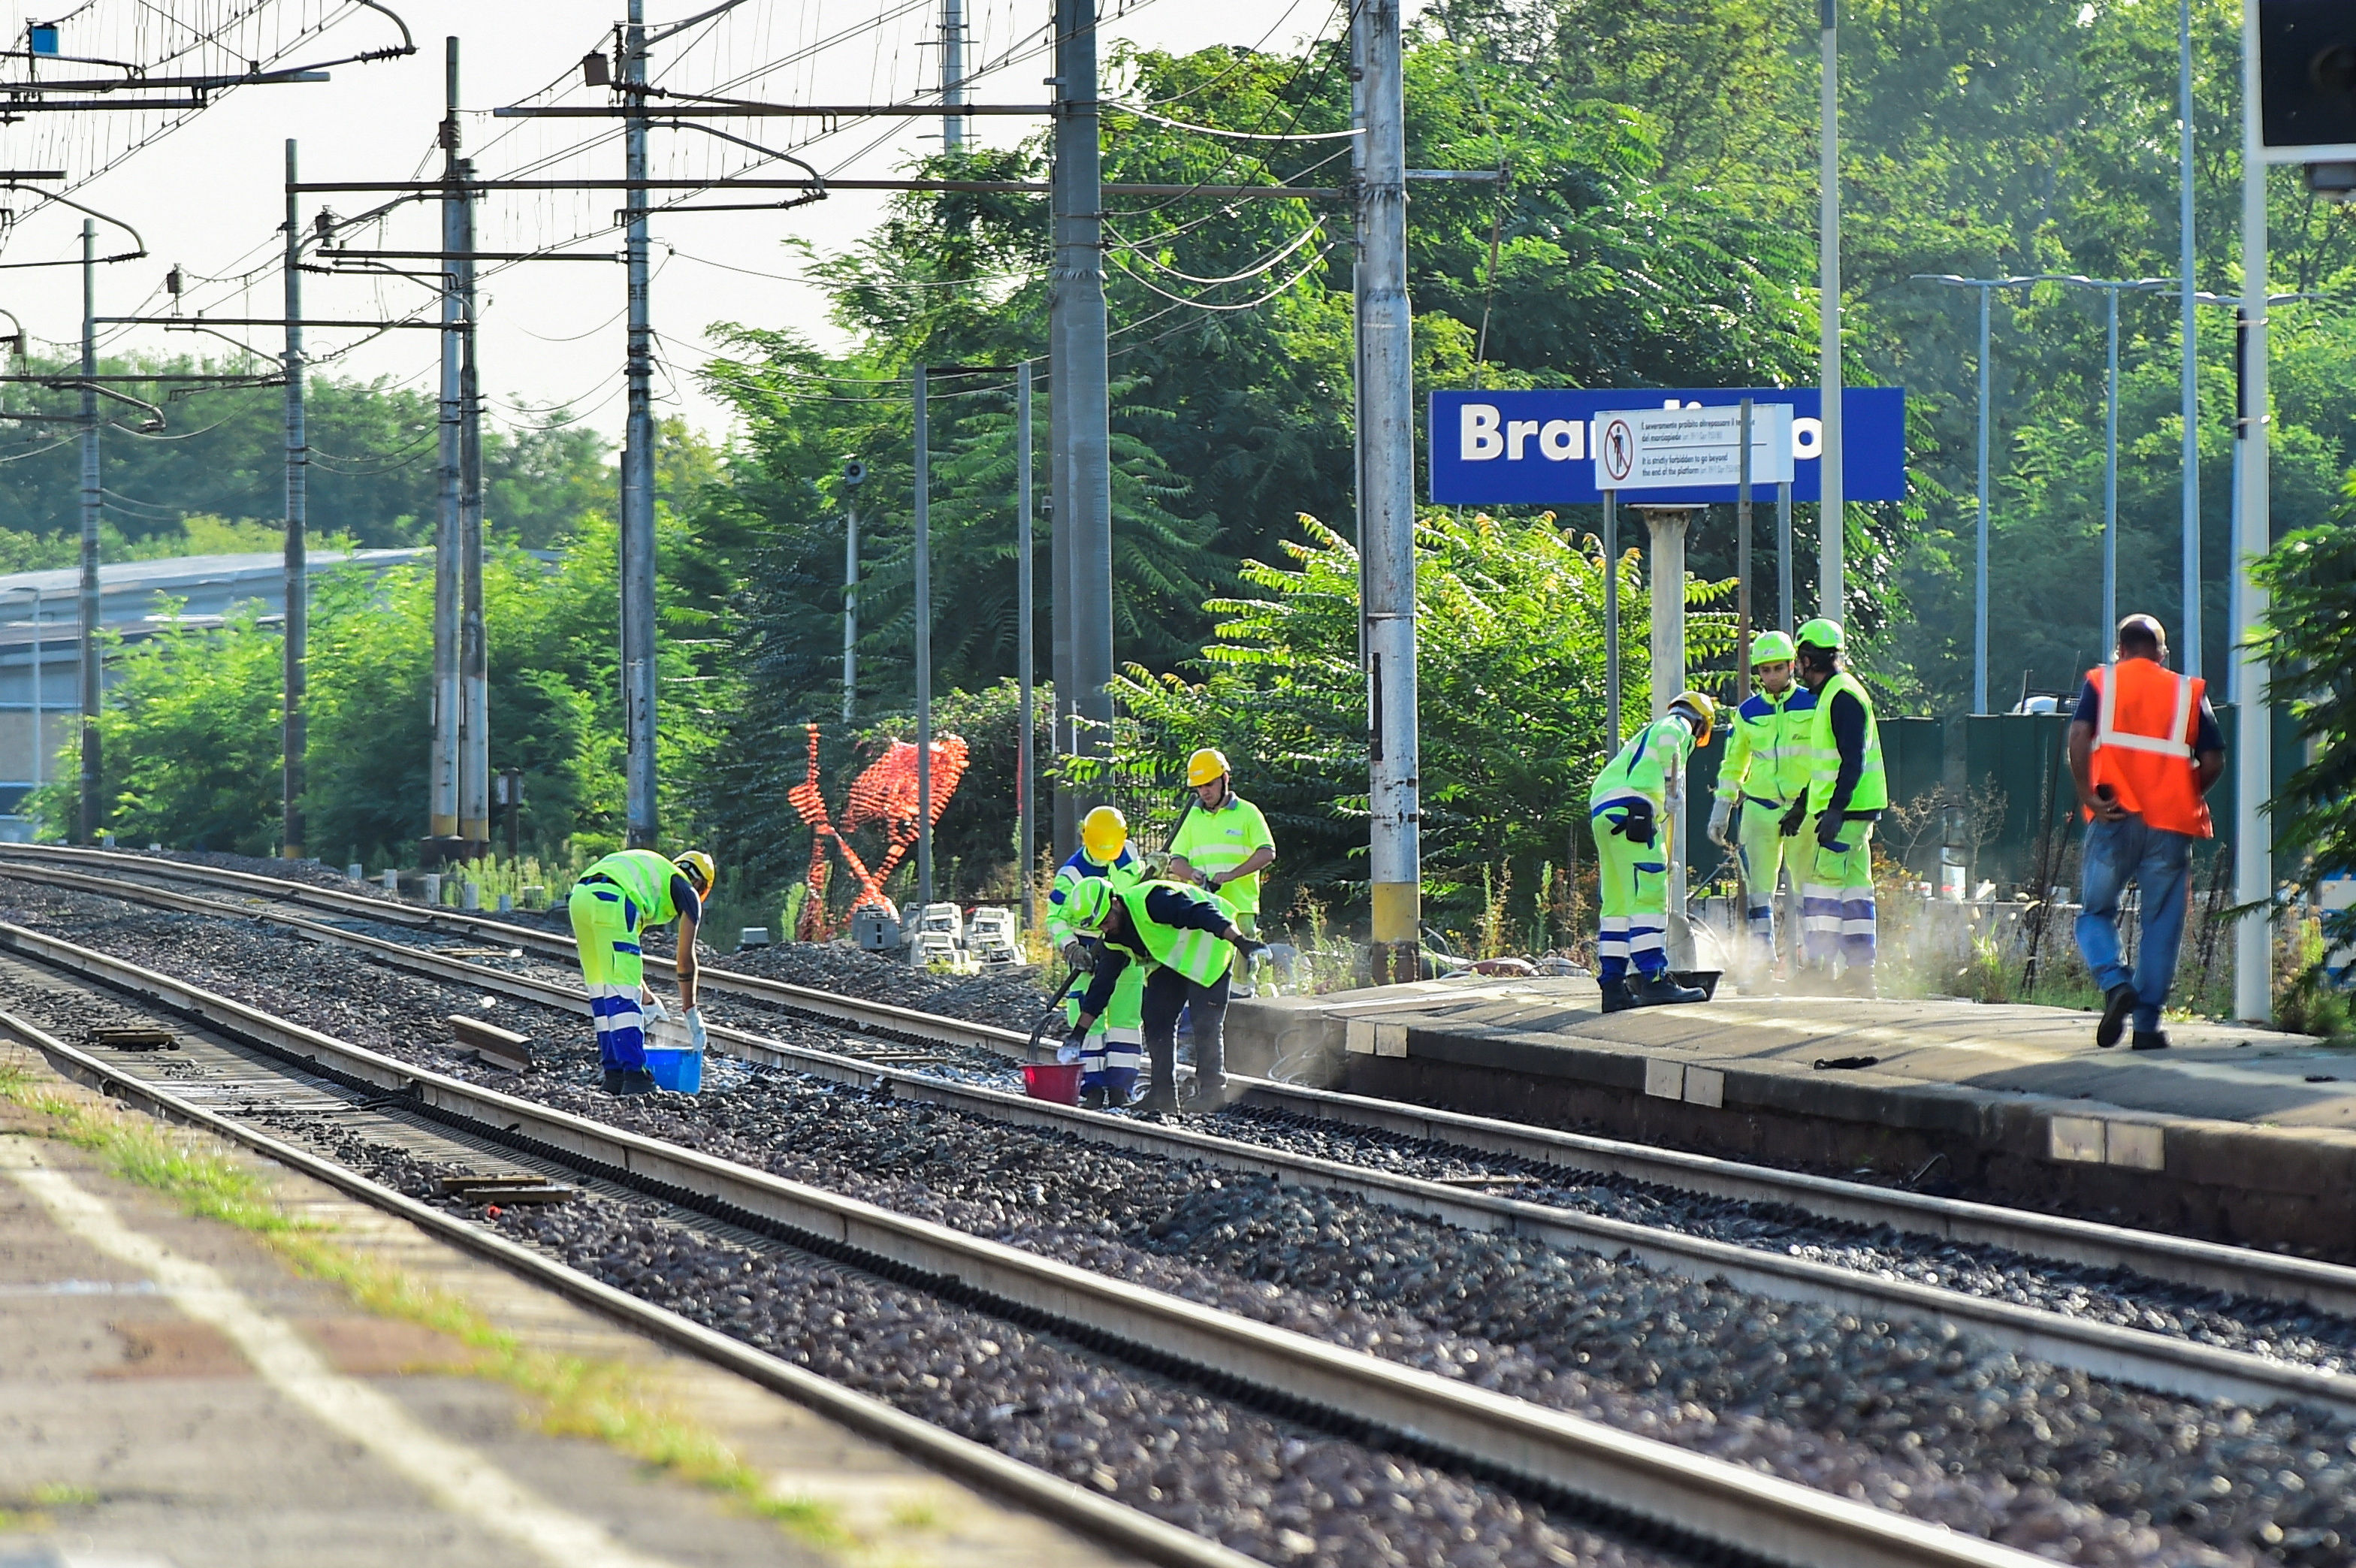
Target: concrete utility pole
(474, 692)
(1386, 491)
(2189, 389)
(923, 612)
(1081, 477)
(850, 592)
(1831, 513)
(1667, 526)
(294, 722)
(953, 72)
(1026, 805)
(442, 786)
(639, 468)
(91, 672)
(2253, 773)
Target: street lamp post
(2111, 288)
(1980, 597)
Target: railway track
(2167, 1363)
(1692, 1506)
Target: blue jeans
(2159, 863)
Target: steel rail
(2203, 1266)
(1670, 1489)
(1051, 1496)
(2183, 1368)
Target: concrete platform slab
(2234, 1133)
(140, 1425)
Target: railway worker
(1766, 768)
(1846, 793)
(2144, 751)
(1186, 942)
(614, 904)
(1110, 1050)
(1224, 843)
(1627, 811)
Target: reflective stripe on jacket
(1872, 792)
(645, 876)
(1768, 751)
(1079, 868)
(1644, 765)
(1199, 955)
(2143, 744)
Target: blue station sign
(1535, 449)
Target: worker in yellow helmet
(1769, 762)
(1627, 811)
(1111, 1051)
(1223, 843)
(1185, 943)
(1848, 789)
(616, 901)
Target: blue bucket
(680, 1071)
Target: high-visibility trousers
(1760, 851)
(1633, 889)
(605, 932)
(1836, 894)
(1114, 1050)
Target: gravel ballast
(1911, 1416)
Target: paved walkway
(172, 1396)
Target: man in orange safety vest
(2144, 750)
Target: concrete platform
(2234, 1135)
(172, 1396)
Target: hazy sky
(209, 196)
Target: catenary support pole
(1612, 623)
(442, 777)
(2111, 471)
(1831, 513)
(1026, 635)
(1980, 576)
(93, 674)
(1742, 558)
(638, 553)
(2253, 777)
(850, 606)
(293, 721)
(1667, 527)
(473, 661)
(1386, 497)
(2188, 390)
(40, 719)
(1083, 478)
(953, 72)
(923, 617)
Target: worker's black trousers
(1166, 992)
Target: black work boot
(1616, 998)
(1659, 990)
(612, 1081)
(2117, 1004)
(1094, 1098)
(635, 1080)
(2149, 1040)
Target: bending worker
(1627, 812)
(1224, 843)
(2144, 750)
(616, 902)
(1185, 940)
(1766, 768)
(1846, 793)
(1110, 1048)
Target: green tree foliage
(2310, 639)
(1510, 661)
(373, 449)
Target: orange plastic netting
(885, 795)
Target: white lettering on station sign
(1679, 448)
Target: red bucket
(1057, 1081)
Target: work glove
(656, 1013)
(696, 1039)
(1250, 948)
(1829, 830)
(1719, 816)
(1635, 821)
(1080, 956)
(1072, 1050)
(1794, 819)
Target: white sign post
(1678, 448)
